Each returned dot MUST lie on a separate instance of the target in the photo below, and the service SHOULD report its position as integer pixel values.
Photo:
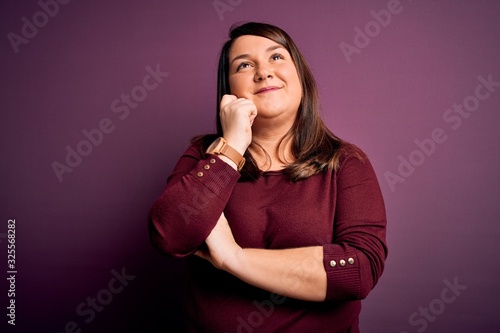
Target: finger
(253, 114)
(246, 105)
(226, 99)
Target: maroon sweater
(343, 211)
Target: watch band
(221, 147)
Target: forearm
(187, 210)
(296, 273)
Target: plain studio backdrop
(100, 98)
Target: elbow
(364, 290)
(369, 280)
(160, 243)
(161, 238)
(166, 246)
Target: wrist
(235, 261)
(228, 161)
(238, 146)
(221, 147)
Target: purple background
(443, 219)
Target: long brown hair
(314, 147)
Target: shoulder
(354, 163)
(349, 151)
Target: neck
(268, 135)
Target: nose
(262, 73)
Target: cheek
(237, 86)
(290, 75)
(294, 84)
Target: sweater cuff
(216, 175)
(342, 271)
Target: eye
(242, 66)
(277, 56)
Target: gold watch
(220, 147)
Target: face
(264, 72)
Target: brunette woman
(283, 223)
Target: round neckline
(273, 172)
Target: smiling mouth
(267, 89)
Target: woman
(283, 222)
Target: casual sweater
(342, 210)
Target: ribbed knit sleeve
(195, 196)
(355, 259)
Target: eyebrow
(245, 55)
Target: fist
(237, 116)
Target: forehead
(249, 44)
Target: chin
(273, 113)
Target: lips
(267, 89)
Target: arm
(296, 273)
(307, 273)
(199, 188)
(360, 227)
(188, 209)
